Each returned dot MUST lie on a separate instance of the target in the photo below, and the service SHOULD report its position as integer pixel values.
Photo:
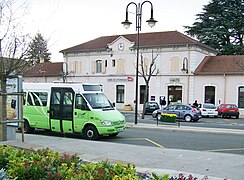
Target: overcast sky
(66, 23)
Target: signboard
(152, 98)
(13, 85)
(174, 80)
(128, 79)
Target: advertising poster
(13, 86)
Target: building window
(174, 64)
(77, 67)
(209, 94)
(99, 66)
(113, 63)
(120, 66)
(106, 63)
(120, 94)
(145, 65)
(241, 97)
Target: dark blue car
(150, 107)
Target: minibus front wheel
(90, 132)
(113, 135)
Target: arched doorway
(174, 94)
(209, 94)
(241, 97)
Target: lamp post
(151, 22)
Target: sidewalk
(216, 166)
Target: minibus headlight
(106, 123)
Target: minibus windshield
(98, 101)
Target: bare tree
(147, 71)
(13, 49)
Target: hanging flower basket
(168, 118)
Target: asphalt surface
(147, 159)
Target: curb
(184, 128)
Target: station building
(185, 69)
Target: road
(163, 138)
(213, 142)
(227, 123)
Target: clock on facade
(121, 46)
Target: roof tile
(221, 65)
(146, 39)
(45, 69)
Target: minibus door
(81, 113)
(61, 109)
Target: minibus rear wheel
(90, 132)
(27, 128)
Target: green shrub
(47, 164)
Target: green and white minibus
(70, 108)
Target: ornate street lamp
(151, 22)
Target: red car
(228, 110)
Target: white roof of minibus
(77, 87)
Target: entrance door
(209, 94)
(174, 94)
(61, 109)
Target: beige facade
(116, 66)
(113, 65)
(226, 88)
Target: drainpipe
(224, 88)
(188, 74)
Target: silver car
(182, 111)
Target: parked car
(228, 110)
(208, 110)
(183, 111)
(150, 107)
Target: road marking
(221, 150)
(149, 140)
(130, 139)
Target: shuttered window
(145, 65)
(93, 67)
(78, 67)
(120, 66)
(104, 66)
(175, 64)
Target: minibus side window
(80, 103)
(56, 98)
(37, 98)
(68, 98)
